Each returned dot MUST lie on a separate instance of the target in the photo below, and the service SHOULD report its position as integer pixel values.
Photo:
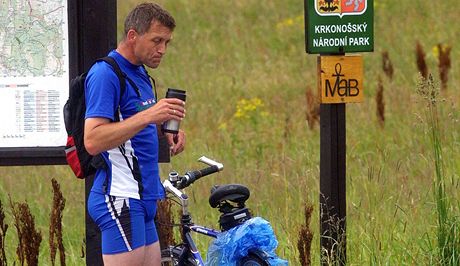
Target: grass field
(244, 66)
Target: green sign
(339, 26)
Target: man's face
(150, 47)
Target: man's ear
(131, 35)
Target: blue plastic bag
(234, 244)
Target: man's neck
(127, 52)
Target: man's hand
(164, 110)
(176, 142)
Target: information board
(339, 26)
(34, 72)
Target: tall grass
(224, 52)
(448, 220)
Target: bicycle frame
(186, 252)
(204, 230)
(189, 244)
(187, 226)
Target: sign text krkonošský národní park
(339, 26)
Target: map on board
(33, 72)
(31, 38)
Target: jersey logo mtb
(141, 106)
(340, 7)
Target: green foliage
(225, 52)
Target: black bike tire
(171, 255)
(252, 260)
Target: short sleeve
(102, 91)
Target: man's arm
(102, 135)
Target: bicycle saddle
(232, 192)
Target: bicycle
(229, 199)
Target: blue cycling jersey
(133, 166)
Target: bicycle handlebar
(189, 177)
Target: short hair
(143, 15)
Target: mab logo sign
(340, 79)
(340, 7)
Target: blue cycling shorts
(125, 223)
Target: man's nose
(162, 48)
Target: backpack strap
(116, 68)
(153, 83)
(122, 77)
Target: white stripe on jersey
(123, 183)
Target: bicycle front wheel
(252, 260)
(170, 257)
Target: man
(124, 130)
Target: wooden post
(333, 182)
(340, 81)
(92, 34)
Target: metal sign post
(333, 28)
